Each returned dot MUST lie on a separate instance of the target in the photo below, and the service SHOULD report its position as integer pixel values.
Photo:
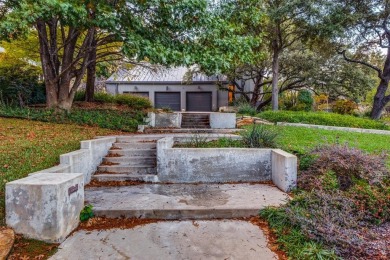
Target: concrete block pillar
(284, 170)
(45, 206)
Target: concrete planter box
(211, 165)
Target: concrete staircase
(129, 159)
(195, 120)
(134, 159)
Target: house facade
(174, 88)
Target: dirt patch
(102, 223)
(271, 237)
(96, 183)
(29, 249)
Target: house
(175, 88)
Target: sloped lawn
(28, 146)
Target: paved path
(184, 201)
(225, 239)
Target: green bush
(104, 97)
(259, 136)
(79, 96)
(110, 119)
(132, 101)
(291, 238)
(246, 109)
(86, 213)
(344, 107)
(305, 100)
(322, 118)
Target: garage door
(167, 99)
(199, 101)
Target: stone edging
(338, 128)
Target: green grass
(291, 239)
(301, 140)
(322, 118)
(104, 118)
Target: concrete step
(147, 161)
(192, 131)
(133, 169)
(125, 177)
(183, 201)
(133, 153)
(134, 145)
(195, 126)
(137, 138)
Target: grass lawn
(300, 139)
(28, 146)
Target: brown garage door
(167, 100)
(199, 101)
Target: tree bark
(380, 100)
(91, 71)
(275, 76)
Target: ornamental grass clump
(259, 136)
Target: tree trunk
(256, 91)
(91, 71)
(275, 77)
(380, 100)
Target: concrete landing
(170, 240)
(183, 201)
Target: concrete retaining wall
(164, 119)
(86, 160)
(338, 128)
(223, 120)
(45, 206)
(191, 165)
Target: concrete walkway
(226, 239)
(184, 201)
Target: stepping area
(184, 201)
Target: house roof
(158, 74)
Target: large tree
(156, 30)
(363, 26)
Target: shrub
(104, 97)
(305, 100)
(86, 213)
(110, 119)
(134, 101)
(80, 95)
(347, 163)
(259, 136)
(292, 239)
(344, 107)
(322, 118)
(246, 109)
(333, 219)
